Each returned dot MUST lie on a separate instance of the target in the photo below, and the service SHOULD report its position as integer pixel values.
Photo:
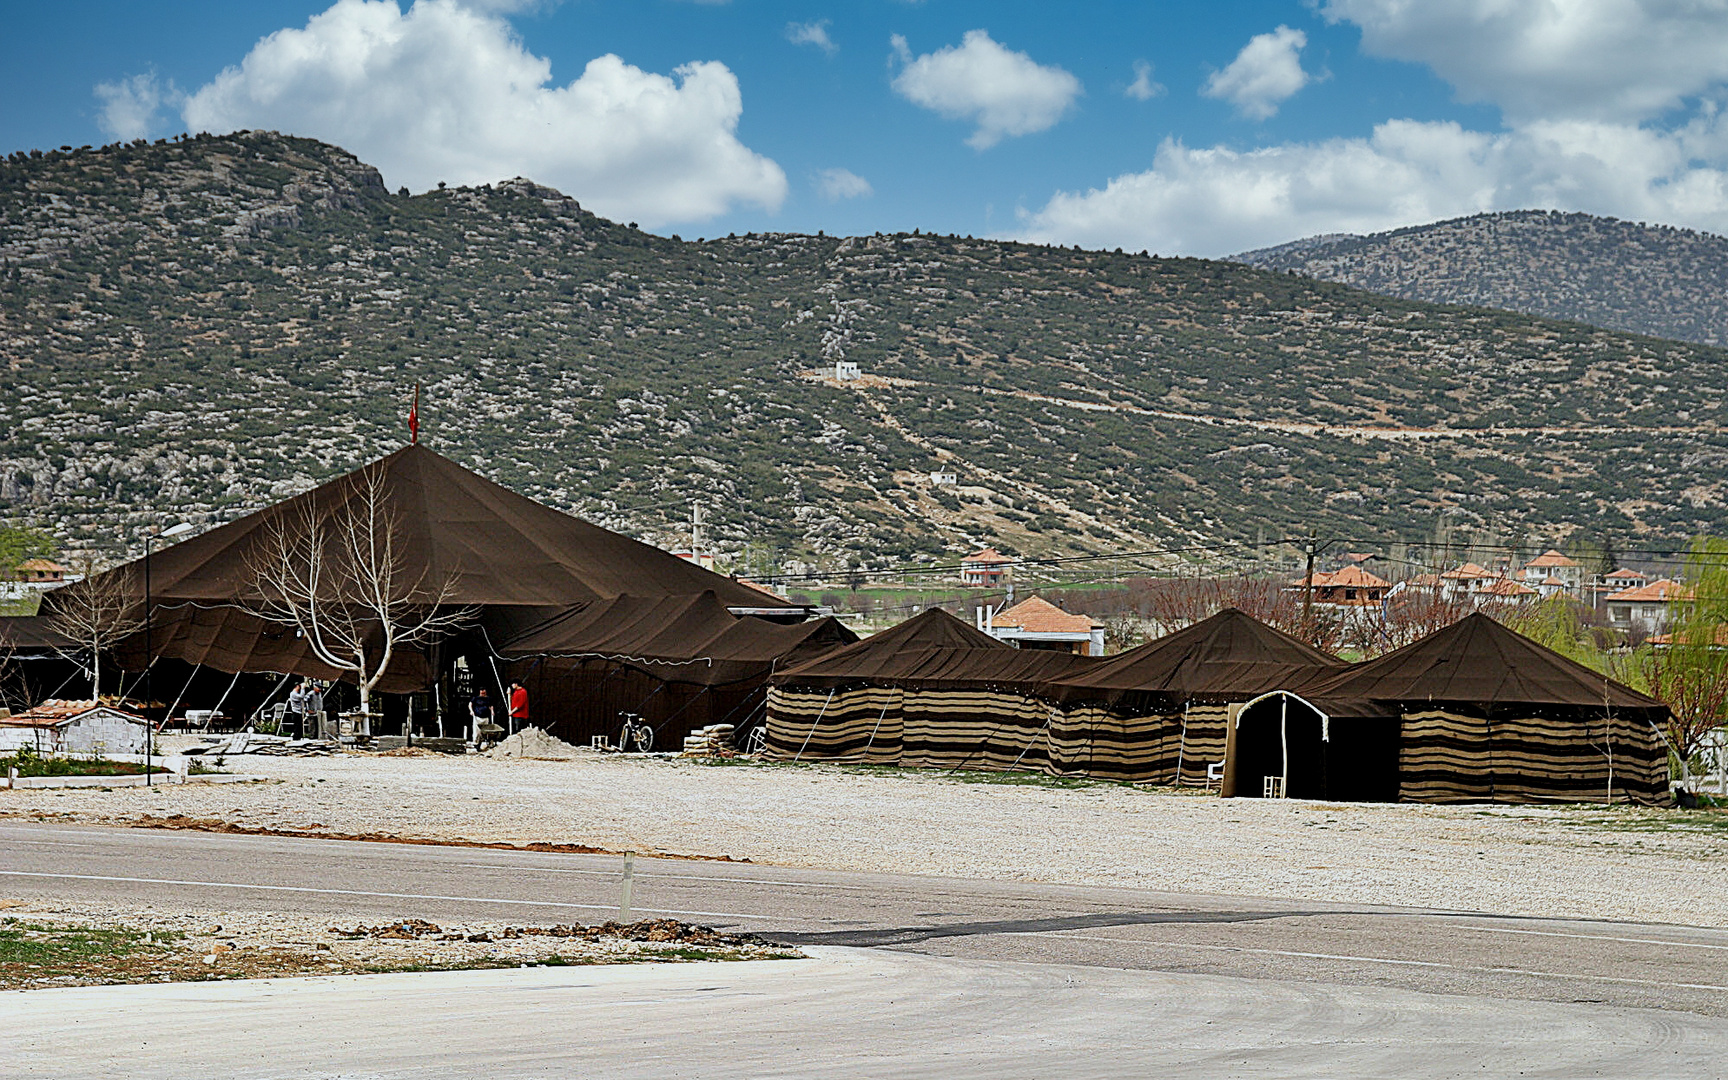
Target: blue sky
(1180, 127)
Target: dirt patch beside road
(44, 944)
(1585, 862)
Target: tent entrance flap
(1282, 737)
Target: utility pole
(1308, 592)
(696, 533)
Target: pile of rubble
(250, 742)
(531, 742)
(659, 931)
(715, 740)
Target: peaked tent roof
(931, 644)
(1478, 662)
(499, 548)
(691, 639)
(1230, 656)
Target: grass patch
(37, 951)
(29, 764)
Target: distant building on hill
(847, 370)
(1552, 564)
(988, 568)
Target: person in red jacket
(518, 707)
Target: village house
(1350, 587)
(1465, 582)
(988, 568)
(1567, 571)
(1644, 609)
(1035, 623)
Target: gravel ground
(1655, 866)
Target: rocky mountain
(1621, 275)
(198, 327)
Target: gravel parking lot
(1655, 866)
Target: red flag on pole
(414, 416)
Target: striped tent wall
(992, 730)
(1448, 757)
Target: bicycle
(636, 732)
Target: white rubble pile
(250, 742)
(708, 741)
(531, 742)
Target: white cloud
(1003, 92)
(837, 184)
(446, 92)
(1267, 72)
(1592, 59)
(812, 33)
(130, 106)
(1143, 88)
(1218, 201)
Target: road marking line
(362, 892)
(1596, 937)
(1369, 960)
(661, 877)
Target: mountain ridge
(1658, 280)
(199, 327)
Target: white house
(57, 728)
(847, 370)
(1644, 607)
(1551, 565)
(1038, 624)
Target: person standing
(481, 709)
(296, 710)
(518, 707)
(315, 726)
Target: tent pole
(1284, 745)
(813, 726)
(1182, 743)
(169, 715)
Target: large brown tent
(678, 662)
(1474, 712)
(508, 559)
(931, 692)
(1161, 712)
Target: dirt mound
(531, 742)
(652, 930)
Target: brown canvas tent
(680, 662)
(931, 692)
(511, 560)
(1161, 712)
(1474, 712)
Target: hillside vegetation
(1622, 275)
(203, 326)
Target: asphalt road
(845, 1013)
(1674, 968)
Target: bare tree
(340, 578)
(94, 615)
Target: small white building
(944, 479)
(60, 728)
(1551, 565)
(847, 370)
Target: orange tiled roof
(1623, 575)
(1508, 587)
(1468, 572)
(988, 555)
(1668, 639)
(1660, 590)
(56, 711)
(47, 566)
(1551, 558)
(1038, 616)
(1552, 581)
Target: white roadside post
(629, 884)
